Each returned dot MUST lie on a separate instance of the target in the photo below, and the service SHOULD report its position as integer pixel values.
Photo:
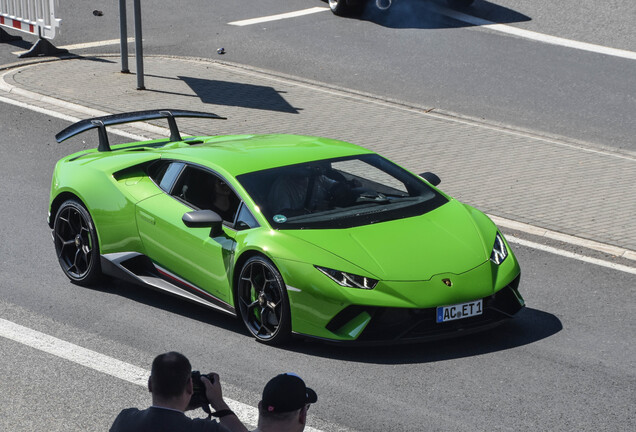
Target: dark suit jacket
(156, 419)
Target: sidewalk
(547, 183)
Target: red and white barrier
(36, 17)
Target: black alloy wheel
(345, 7)
(460, 4)
(76, 243)
(263, 301)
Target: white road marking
(69, 118)
(74, 353)
(527, 34)
(39, 110)
(279, 16)
(102, 363)
(86, 45)
(565, 238)
(480, 22)
(568, 254)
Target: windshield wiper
(375, 198)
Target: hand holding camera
(206, 391)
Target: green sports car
(297, 235)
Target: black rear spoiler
(136, 116)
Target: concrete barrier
(36, 17)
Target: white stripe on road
(459, 16)
(69, 118)
(37, 109)
(102, 363)
(279, 16)
(527, 34)
(568, 254)
(565, 238)
(74, 353)
(87, 45)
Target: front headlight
(348, 280)
(499, 251)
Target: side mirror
(204, 219)
(201, 219)
(431, 178)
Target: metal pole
(139, 51)
(123, 31)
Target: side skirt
(139, 269)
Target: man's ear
(150, 384)
(189, 387)
(302, 417)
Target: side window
(245, 220)
(164, 173)
(205, 191)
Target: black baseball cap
(286, 392)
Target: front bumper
(400, 325)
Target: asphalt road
(566, 362)
(414, 54)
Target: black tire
(76, 243)
(459, 4)
(263, 302)
(345, 8)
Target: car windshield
(339, 193)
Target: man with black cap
(284, 406)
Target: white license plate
(459, 311)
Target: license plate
(459, 311)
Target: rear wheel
(263, 301)
(345, 7)
(76, 243)
(460, 3)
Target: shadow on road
(18, 43)
(176, 305)
(528, 326)
(414, 14)
(239, 94)
(229, 93)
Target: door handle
(145, 216)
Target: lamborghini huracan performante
(296, 235)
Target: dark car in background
(354, 7)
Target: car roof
(239, 154)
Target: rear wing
(101, 122)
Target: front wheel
(263, 301)
(76, 243)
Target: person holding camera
(284, 405)
(172, 388)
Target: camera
(199, 399)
